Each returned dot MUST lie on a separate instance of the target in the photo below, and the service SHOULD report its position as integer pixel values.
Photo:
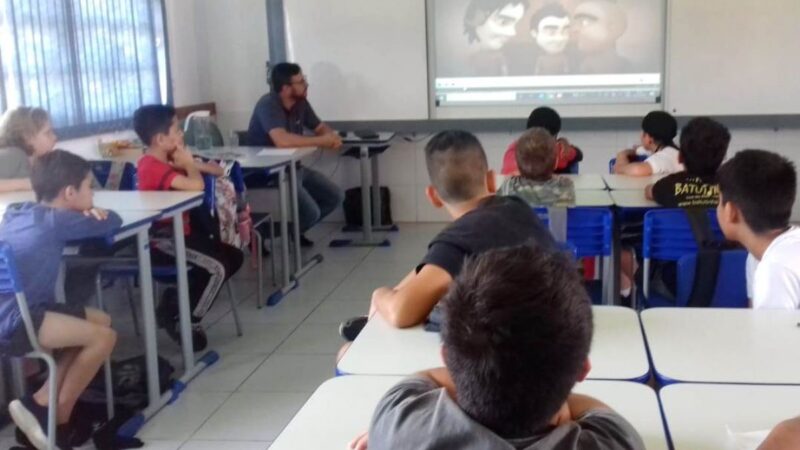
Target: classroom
(425, 224)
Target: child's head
(28, 129)
(516, 337)
(64, 178)
(704, 143)
(547, 118)
(550, 28)
(659, 129)
(536, 154)
(757, 192)
(157, 126)
(458, 169)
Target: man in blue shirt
(280, 120)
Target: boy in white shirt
(659, 129)
(757, 192)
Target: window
(90, 63)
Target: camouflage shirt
(556, 191)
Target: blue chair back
(237, 178)
(589, 230)
(613, 162)
(210, 193)
(102, 171)
(11, 285)
(668, 235)
(731, 289)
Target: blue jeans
(317, 197)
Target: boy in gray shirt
(537, 184)
(516, 337)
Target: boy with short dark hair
(461, 183)
(515, 340)
(168, 165)
(704, 143)
(37, 233)
(536, 183)
(757, 192)
(565, 154)
(659, 129)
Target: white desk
(707, 345)
(627, 182)
(632, 199)
(341, 408)
(699, 415)
(618, 350)
(282, 160)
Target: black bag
(709, 251)
(352, 207)
(129, 381)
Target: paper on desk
(745, 440)
(277, 152)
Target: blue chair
(11, 285)
(731, 288)
(613, 161)
(668, 237)
(105, 172)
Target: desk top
(341, 408)
(632, 199)
(626, 182)
(700, 415)
(709, 345)
(256, 157)
(618, 350)
(166, 202)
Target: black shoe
(31, 420)
(167, 310)
(305, 242)
(199, 339)
(350, 328)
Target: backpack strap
(708, 259)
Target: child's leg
(94, 344)
(627, 267)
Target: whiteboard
(733, 57)
(364, 59)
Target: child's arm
(209, 168)
(624, 166)
(74, 225)
(580, 404)
(193, 180)
(15, 184)
(410, 302)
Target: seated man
(278, 120)
(515, 340)
(462, 183)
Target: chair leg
(235, 311)
(132, 304)
(109, 389)
(259, 266)
(52, 404)
(272, 249)
(98, 291)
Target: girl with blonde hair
(25, 134)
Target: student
(785, 436)
(566, 154)
(25, 134)
(38, 233)
(757, 192)
(278, 120)
(536, 184)
(515, 340)
(704, 143)
(168, 165)
(658, 132)
(462, 184)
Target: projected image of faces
(548, 37)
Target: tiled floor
(263, 378)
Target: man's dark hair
(547, 118)
(479, 10)
(516, 332)
(282, 74)
(457, 165)
(152, 120)
(704, 143)
(762, 185)
(55, 171)
(662, 127)
(549, 10)
(536, 154)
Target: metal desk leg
(148, 315)
(184, 308)
(286, 266)
(301, 267)
(613, 269)
(366, 210)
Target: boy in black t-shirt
(461, 183)
(703, 145)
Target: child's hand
(626, 154)
(182, 158)
(97, 213)
(360, 442)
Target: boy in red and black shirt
(168, 165)
(566, 154)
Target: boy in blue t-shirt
(37, 233)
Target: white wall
(183, 52)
